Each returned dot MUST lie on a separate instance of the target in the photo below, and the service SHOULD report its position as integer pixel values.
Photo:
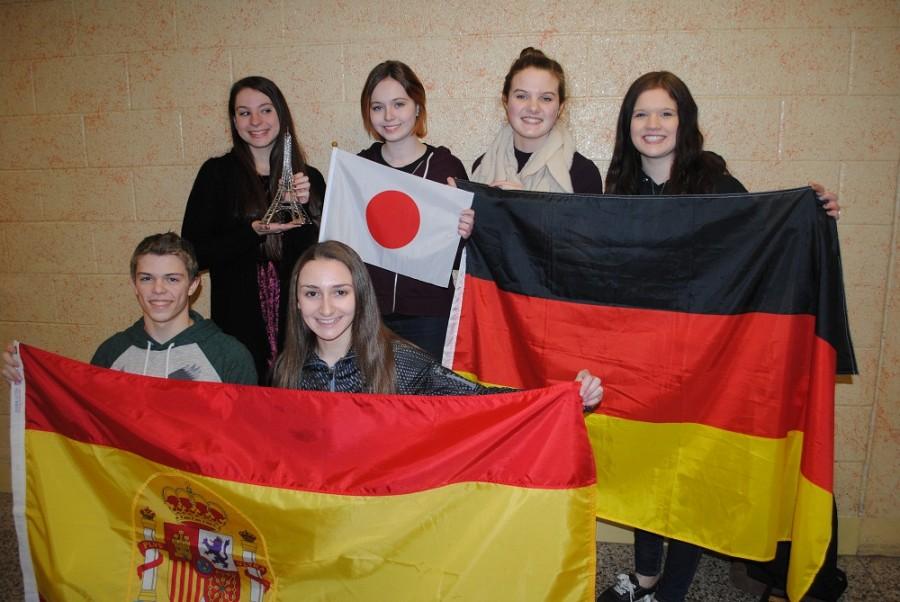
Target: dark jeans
(428, 332)
(678, 572)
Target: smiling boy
(170, 340)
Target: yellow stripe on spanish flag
(146, 489)
(440, 544)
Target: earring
(417, 111)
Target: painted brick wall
(108, 108)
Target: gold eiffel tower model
(285, 201)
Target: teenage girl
(336, 340)
(659, 150)
(394, 113)
(250, 262)
(534, 150)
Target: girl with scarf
(534, 150)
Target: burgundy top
(398, 294)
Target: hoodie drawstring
(427, 164)
(147, 359)
(168, 352)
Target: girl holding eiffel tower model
(250, 261)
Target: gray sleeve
(439, 380)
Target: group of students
(300, 314)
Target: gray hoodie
(199, 352)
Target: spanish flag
(136, 488)
(717, 324)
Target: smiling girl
(659, 147)
(336, 340)
(534, 150)
(394, 114)
(659, 151)
(249, 262)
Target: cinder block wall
(107, 109)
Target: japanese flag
(394, 220)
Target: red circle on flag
(393, 219)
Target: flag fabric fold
(132, 487)
(717, 324)
(397, 221)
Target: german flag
(717, 324)
(137, 488)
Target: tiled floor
(872, 578)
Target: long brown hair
(406, 77)
(370, 341)
(693, 171)
(254, 198)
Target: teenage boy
(170, 340)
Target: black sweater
(228, 247)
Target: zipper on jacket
(331, 385)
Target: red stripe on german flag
(745, 373)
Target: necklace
(655, 189)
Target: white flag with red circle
(394, 220)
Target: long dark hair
(371, 342)
(693, 170)
(406, 77)
(254, 196)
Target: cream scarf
(547, 169)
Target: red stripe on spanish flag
(279, 495)
(717, 325)
(407, 444)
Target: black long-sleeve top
(227, 246)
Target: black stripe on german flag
(714, 255)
